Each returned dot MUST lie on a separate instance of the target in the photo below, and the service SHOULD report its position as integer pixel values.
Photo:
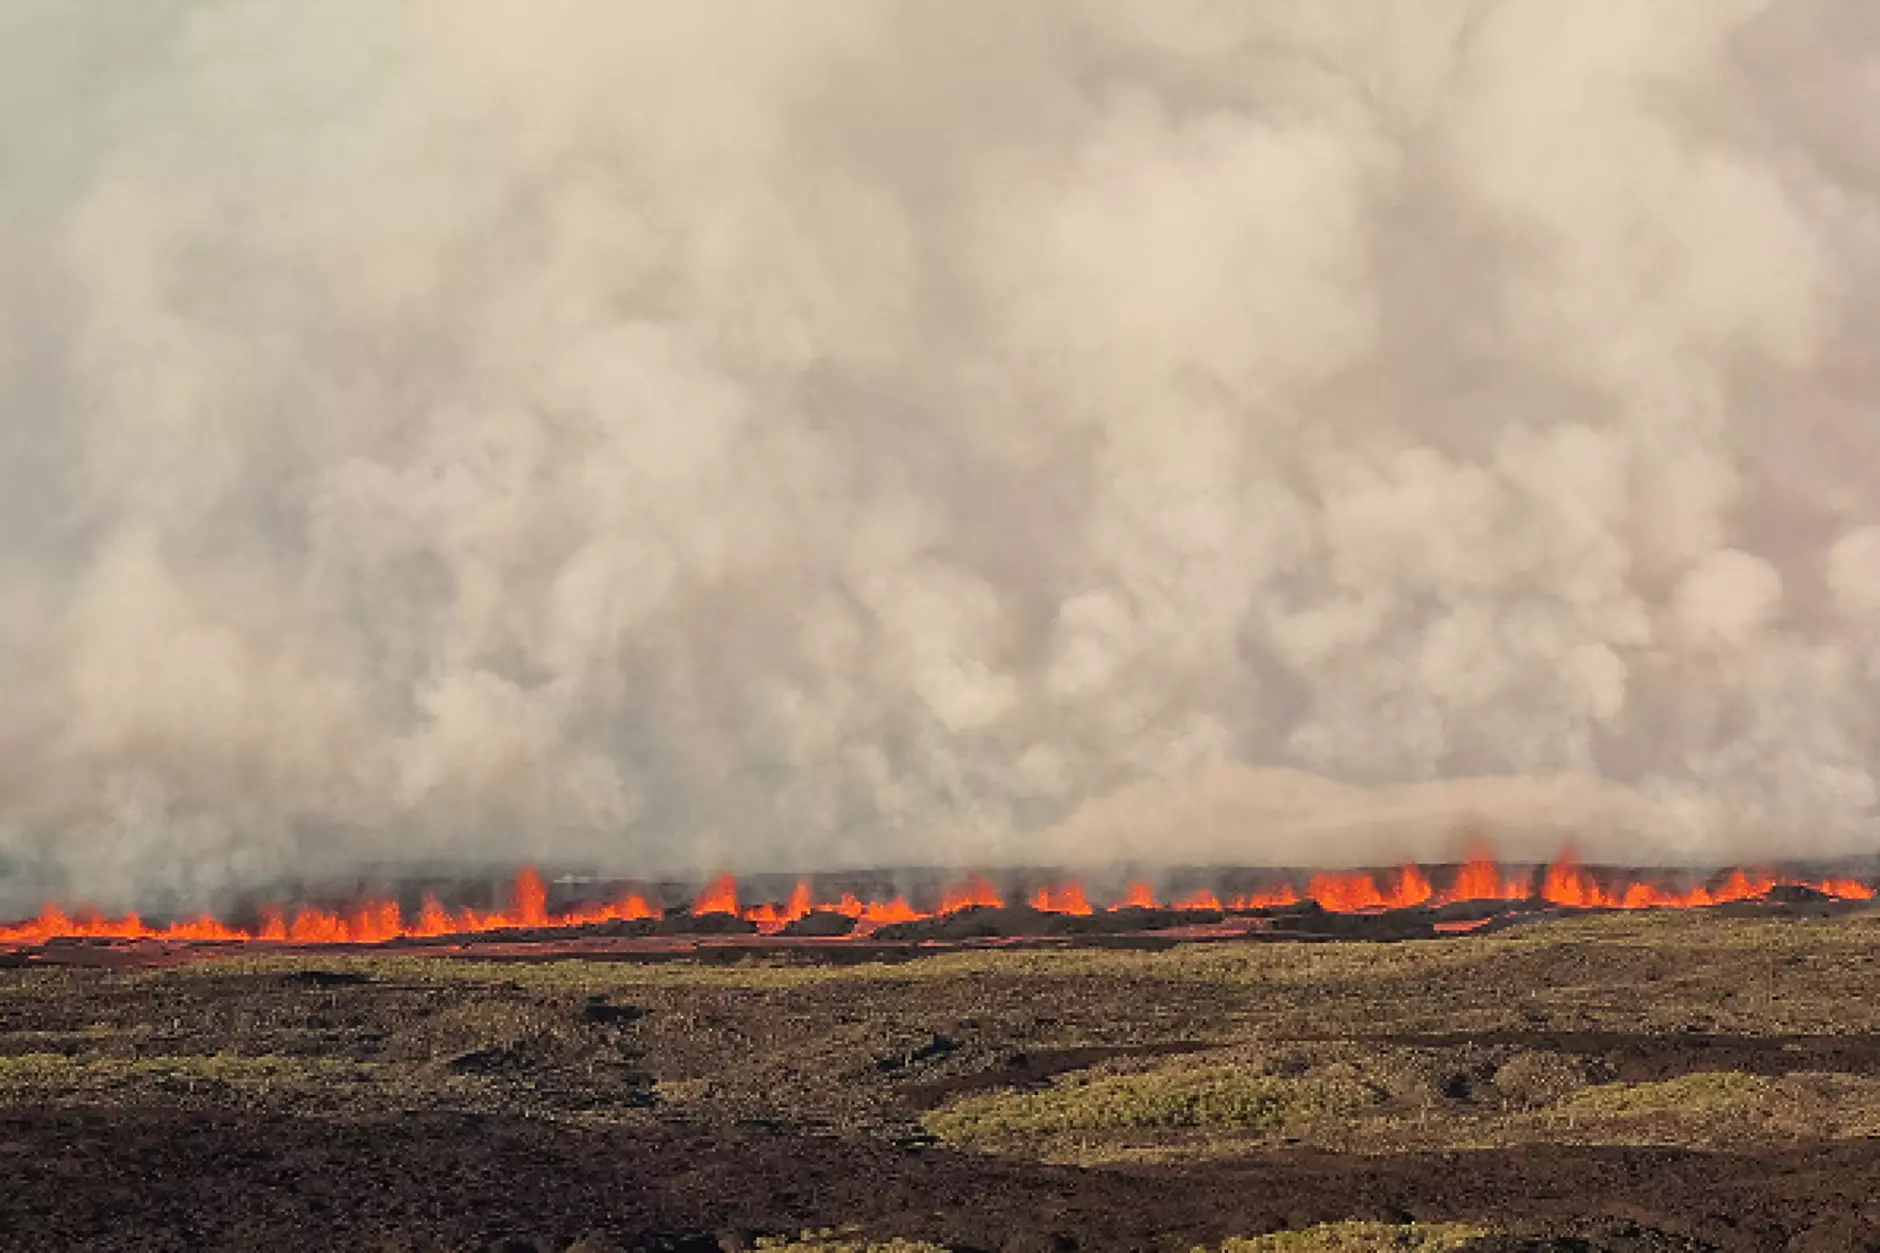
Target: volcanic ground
(1498, 1074)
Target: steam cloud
(657, 436)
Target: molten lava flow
(1069, 899)
(772, 917)
(1136, 896)
(1480, 879)
(974, 892)
(1411, 887)
(871, 914)
(719, 897)
(531, 899)
(1567, 884)
(370, 922)
(1564, 883)
(881, 913)
(1737, 886)
(1846, 889)
(1651, 896)
(1346, 892)
(53, 922)
(201, 928)
(1267, 898)
(629, 908)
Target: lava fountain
(1563, 884)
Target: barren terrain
(1654, 1080)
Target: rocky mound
(821, 922)
(990, 922)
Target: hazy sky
(664, 435)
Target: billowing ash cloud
(658, 436)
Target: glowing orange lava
(1480, 879)
(975, 891)
(872, 914)
(1846, 889)
(1345, 892)
(1276, 897)
(1411, 887)
(370, 922)
(773, 917)
(1068, 899)
(1568, 883)
(1564, 883)
(719, 897)
(1137, 896)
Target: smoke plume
(660, 437)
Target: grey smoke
(658, 436)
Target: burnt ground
(1664, 1081)
(154, 1179)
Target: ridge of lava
(722, 904)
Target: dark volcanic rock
(1415, 923)
(1471, 911)
(623, 928)
(981, 921)
(1305, 909)
(1137, 918)
(820, 922)
(617, 929)
(599, 1009)
(1795, 894)
(1015, 920)
(705, 924)
(933, 1047)
(1792, 900)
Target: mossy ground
(1362, 1238)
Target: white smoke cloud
(653, 437)
(1854, 573)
